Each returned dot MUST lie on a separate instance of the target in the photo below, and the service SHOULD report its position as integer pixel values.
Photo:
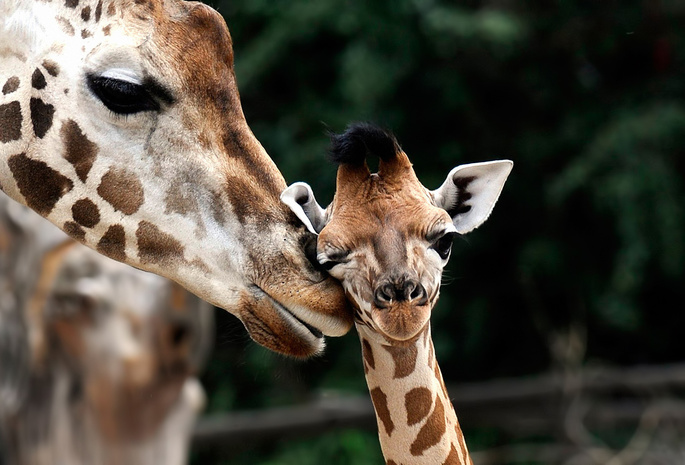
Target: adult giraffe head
(121, 123)
(387, 237)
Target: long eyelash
(120, 117)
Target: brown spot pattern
(122, 190)
(367, 353)
(453, 458)
(155, 246)
(431, 432)
(11, 85)
(418, 403)
(111, 9)
(74, 230)
(79, 150)
(71, 3)
(380, 404)
(65, 25)
(38, 80)
(40, 185)
(404, 358)
(98, 11)
(85, 213)
(85, 33)
(41, 116)
(51, 67)
(106, 29)
(390, 462)
(113, 243)
(10, 122)
(85, 14)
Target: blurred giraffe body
(387, 239)
(115, 382)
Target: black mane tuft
(361, 140)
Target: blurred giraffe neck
(416, 420)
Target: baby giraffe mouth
(401, 321)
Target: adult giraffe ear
(470, 192)
(300, 198)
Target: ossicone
(361, 140)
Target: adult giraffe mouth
(289, 315)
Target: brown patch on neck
(404, 359)
(367, 353)
(431, 432)
(155, 246)
(418, 403)
(78, 149)
(453, 457)
(40, 185)
(122, 189)
(380, 404)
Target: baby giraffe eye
(443, 246)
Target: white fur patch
(27, 26)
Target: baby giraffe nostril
(384, 295)
(412, 290)
(418, 294)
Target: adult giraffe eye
(122, 97)
(443, 246)
(329, 261)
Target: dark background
(582, 263)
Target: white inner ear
(300, 198)
(473, 190)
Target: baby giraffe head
(385, 236)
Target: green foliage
(586, 97)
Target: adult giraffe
(98, 360)
(388, 238)
(121, 123)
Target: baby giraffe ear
(300, 198)
(470, 191)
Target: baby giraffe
(387, 239)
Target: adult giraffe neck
(417, 424)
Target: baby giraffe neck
(417, 424)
